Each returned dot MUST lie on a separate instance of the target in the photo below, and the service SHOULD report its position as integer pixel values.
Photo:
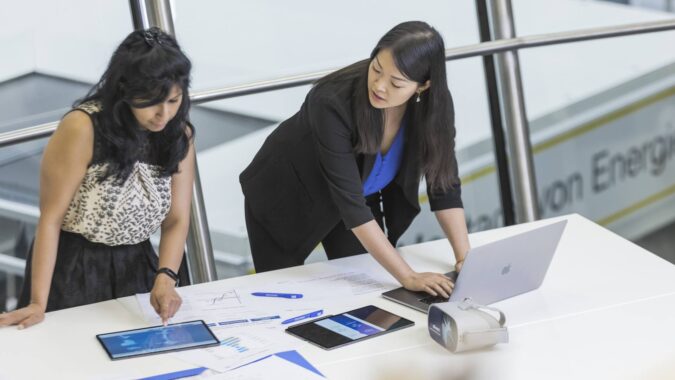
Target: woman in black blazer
(347, 167)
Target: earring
(418, 97)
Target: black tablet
(352, 326)
(158, 339)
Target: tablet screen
(151, 340)
(341, 329)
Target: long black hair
(419, 54)
(141, 73)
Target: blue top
(386, 166)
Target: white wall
(654, 4)
(556, 76)
(17, 38)
(267, 39)
(76, 38)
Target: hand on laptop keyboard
(429, 299)
(433, 299)
(432, 283)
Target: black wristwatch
(169, 273)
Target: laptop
(495, 271)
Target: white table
(604, 311)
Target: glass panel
(19, 193)
(602, 118)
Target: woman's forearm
(374, 241)
(453, 223)
(44, 259)
(172, 244)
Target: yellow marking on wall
(478, 174)
(468, 179)
(643, 203)
(599, 122)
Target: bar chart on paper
(235, 349)
(235, 343)
(243, 342)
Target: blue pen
(313, 314)
(280, 295)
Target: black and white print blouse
(116, 214)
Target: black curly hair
(146, 65)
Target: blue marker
(280, 295)
(313, 314)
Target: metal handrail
(258, 87)
(12, 265)
(27, 134)
(475, 50)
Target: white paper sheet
(344, 284)
(317, 290)
(196, 304)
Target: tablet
(352, 326)
(158, 339)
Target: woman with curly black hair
(119, 166)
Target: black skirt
(87, 272)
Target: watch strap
(168, 272)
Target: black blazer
(307, 177)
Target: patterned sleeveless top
(117, 214)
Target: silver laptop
(495, 271)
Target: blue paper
(294, 357)
(177, 375)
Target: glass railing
(603, 132)
(19, 168)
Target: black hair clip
(152, 36)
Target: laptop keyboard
(433, 299)
(428, 299)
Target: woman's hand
(24, 317)
(433, 283)
(164, 298)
